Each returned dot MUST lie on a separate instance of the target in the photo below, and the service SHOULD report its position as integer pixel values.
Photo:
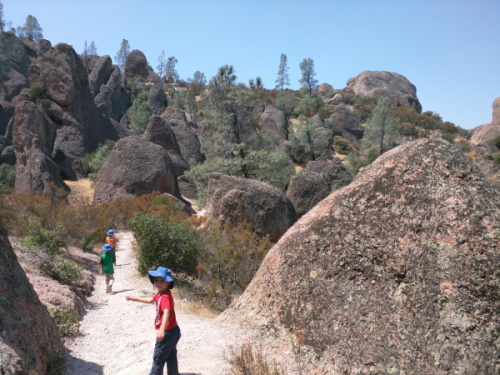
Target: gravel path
(117, 336)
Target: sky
(449, 49)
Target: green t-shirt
(107, 262)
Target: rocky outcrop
(348, 124)
(135, 167)
(159, 132)
(29, 337)
(80, 126)
(325, 88)
(496, 112)
(394, 86)
(272, 124)
(112, 100)
(306, 190)
(157, 99)
(235, 200)
(186, 137)
(100, 74)
(395, 273)
(333, 168)
(15, 59)
(136, 64)
(34, 136)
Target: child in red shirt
(167, 330)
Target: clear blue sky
(449, 49)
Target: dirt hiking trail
(117, 336)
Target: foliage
(121, 55)
(307, 70)
(286, 102)
(31, 30)
(61, 268)
(381, 132)
(93, 162)
(230, 258)
(342, 145)
(165, 243)
(170, 72)
(356, 162)
(161, 64)
(245, 361)
(66, 320)
(309, 105)
(307, 142)
(283, 79)
(140, 112)
(7, 176)
(2, 20)
(198, 82)
(37, 92)
(496, 157)
(496, 141)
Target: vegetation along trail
(117, 336)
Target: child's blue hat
(162, 272)
(111, 232)
(107, 247)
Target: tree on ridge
(121, 55)
(283, 79)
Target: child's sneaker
(108, 289)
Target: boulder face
(394, 86)
(136, 65)
(335, 171)
(236, 199)
(135, 167)
(496, 112)
(306, 190)
(272, 124)
(29, 337)
(395, 273)
(348, 124)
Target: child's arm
(140, 299)
(160, 334)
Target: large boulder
(29, 337)
(113, 99)
(136, 64)
(272, 124)
(394, 86)
(159, 132)
(157, 99)
(348, 124)
(187, 139)
(135, 167)
(395, 273)
(34, 136)
(235, 200)
(100, 74)
(307, 189)
(333, 168)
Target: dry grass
(81, 191)
(249, 361)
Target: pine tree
(162, 63)
(381, 132)
(307, 69)
(121, 55)
(170, 72)
(283, 79)
(31, 30)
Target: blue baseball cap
(162, 272)
(111, 232)
(107, 247)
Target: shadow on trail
(77, 365)
(122, 291)
(189, 373)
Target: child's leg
(165, 352)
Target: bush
(496, 157)
(246, 361)
(37, 92)
(7, 176)
(229, 260)
(62, 269)
(93, 162)
(66, 320)
(163, 243)
(140, 112)
(496, 141)
(342, 145)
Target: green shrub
(163, 243)
(342, 145)
(7, 176)
(496, 141)
(66, 320)
(37, 92)
(38, 236)
(496, 157)
(62, 269)
(140, 112)
(93, 162)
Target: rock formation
(394, 86)
(135, 167)
(348, 124)
(395, 273)
(29, 337)
(272, 124)
(306, 190)
(137, 65)
(236, 199)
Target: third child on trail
(107, 260)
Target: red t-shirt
(165, 301)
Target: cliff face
(29, 338)
(397, 272)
